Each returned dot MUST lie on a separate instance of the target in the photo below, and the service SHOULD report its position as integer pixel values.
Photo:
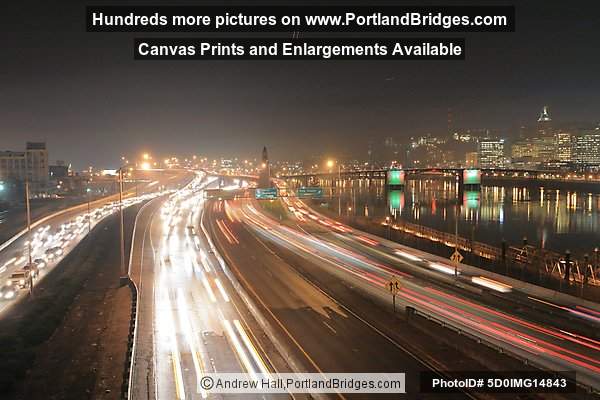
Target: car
(39, 263)
(20, 279)
(7, 293)
(49, 253)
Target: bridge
(497, 174)
(393, 177)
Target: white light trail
(222, 290)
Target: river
(558, 220)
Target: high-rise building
(521, 149)
(544, 123)
(545, 115)
(37, 163)
(540, 149)
(33, 163)
(471, 159)
(564, 146)
(12, 165)
(390, 151)
(586, 148)
(490, 153)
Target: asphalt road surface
(323, 334)
(55, 235)
(428, 284)
(189, 322)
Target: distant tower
(265, 156)
(450, 127)
(545, 115)
(370, 153)
(264, 179)
(544, 123)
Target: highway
(56, 234)
(320, 333)
(190, 318)
(484, 308)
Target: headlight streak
(484, 325)
(48, 249)
(408, 255)
(204, 260)
(168, 323)
(238, 348)
(255, 356)
(222, 290)
(446, 269)
(491, 284)
(209, 290)
(237, 337)
(504, 333)
(570, 310)
(191, 338)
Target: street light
(89, 216)
(29, 264)
(389, 227)
(124, 276)
(330, 164)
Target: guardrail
(131, 339)
(410, 310)
(552, 263)
(133, 321)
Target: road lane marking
(203, 260)
(266, 308)
(257, 359)
(238, 348)
(190, 336)
(211, 294)
(246, 299)
(330, 327)
(222, 290)
(169, 324)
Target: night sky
(85, 95)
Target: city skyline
(92, 97)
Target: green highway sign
(268, 193)
(311, 191)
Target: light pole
(330, 164)
(89, 216)
(124, 277)
(456, 239)
(596, 263)
(29, 263)
(388, 222)
(340, 187)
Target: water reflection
(554, 219)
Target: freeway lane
(536, 303)
(528, 301)
(56, 235)
(189, 318)
(548, 347)
(323, 334)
